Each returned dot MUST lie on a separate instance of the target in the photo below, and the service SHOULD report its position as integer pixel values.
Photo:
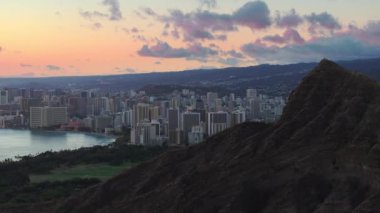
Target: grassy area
(99, 171)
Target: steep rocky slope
(322, 156)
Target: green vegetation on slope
(17, 172)
(42, 192)
(51, 176)
(98, 171)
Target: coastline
(17, 147)
(75, 132)
(65, 131)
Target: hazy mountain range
(273, 79)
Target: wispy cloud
(97, 26)
(26, 65)
(229, 61)
(114, 9)
(27, 74)
(208, 3)
(92, 14)
(148, 11)
(53, 67)
(125, 70)
(164, 50)
(290, 19)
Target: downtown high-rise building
(41, 117)
(101, 105)
(141, 112)
(154, 113)
(127, 118)
(164, 106)
(146, 133)
(196, 135)
(77, 106)
(211, 98)
(237, 117)
(102, 122)
(254, 109)
(173, 126)
(251, 94)
(217, 122)
(189, 120)
(3, 97)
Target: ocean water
(25, 142)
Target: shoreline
(75, 132)
(64, 131)
(107, 139)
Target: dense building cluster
(181, 117)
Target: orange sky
(52, 38)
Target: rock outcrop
(322, 156)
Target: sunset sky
(100, 37)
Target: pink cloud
(288, 37)
(164, 50)
(291, 19)
(323, 21)
(203, 24)
(369, 33)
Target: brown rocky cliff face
(322, 156)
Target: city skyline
(104, 37)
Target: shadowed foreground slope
(322, 156)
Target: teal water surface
(25, 142)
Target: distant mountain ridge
(322, 156)
(274, 79)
